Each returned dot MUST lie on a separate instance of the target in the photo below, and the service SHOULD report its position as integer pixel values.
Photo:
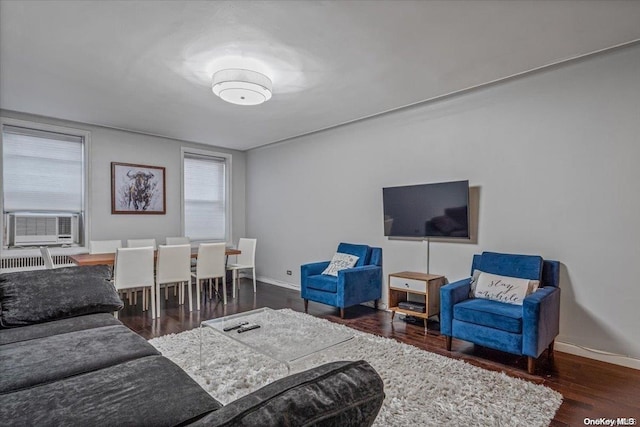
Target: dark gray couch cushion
(339, 394)
(29, 297)
(151, 391)
(39, 361)
(63, 326)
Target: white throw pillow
(511, 290)
(339, 262)
(473, 282)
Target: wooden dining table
(109, 258)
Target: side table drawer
(407, 284)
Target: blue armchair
(353, 286)
(525, 330)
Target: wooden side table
(411, 283)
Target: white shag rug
(422, 388)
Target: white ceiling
(146, 66)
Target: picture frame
(138, 189)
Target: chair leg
(197, 294)
(233, 281)
(375, 304)
(531, 364)
(190, 294)
(342, 312)
(448, 343)
(152, 297)
(306, 306)
(157, 303)
(224, 290)
(550, 351)
(254, 280)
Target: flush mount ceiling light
(242, 87)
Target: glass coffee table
(279, 336)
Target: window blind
(205, 200)
(42, 171)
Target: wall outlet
(288, 272)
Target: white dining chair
(181, 241)
(110, 247)
(173, 266)
(133, 269)
(210, 265)
(246, 260)
(141, 243)
(47, 258)
(178, 241)
(104, 246)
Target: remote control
(247, 328)
(236, 326)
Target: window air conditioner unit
(30, 229)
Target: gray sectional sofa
(66, 361)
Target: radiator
(35, 262)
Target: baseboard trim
(615, 359)
(278, 283)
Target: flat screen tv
(427, 210)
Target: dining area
(194, 272)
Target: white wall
(111, 145)
(554, 156)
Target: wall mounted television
(427, 210)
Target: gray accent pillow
(29, 297)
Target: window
(43, 173)
(205, 195)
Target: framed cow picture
(137, 189)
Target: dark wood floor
(591, 389)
